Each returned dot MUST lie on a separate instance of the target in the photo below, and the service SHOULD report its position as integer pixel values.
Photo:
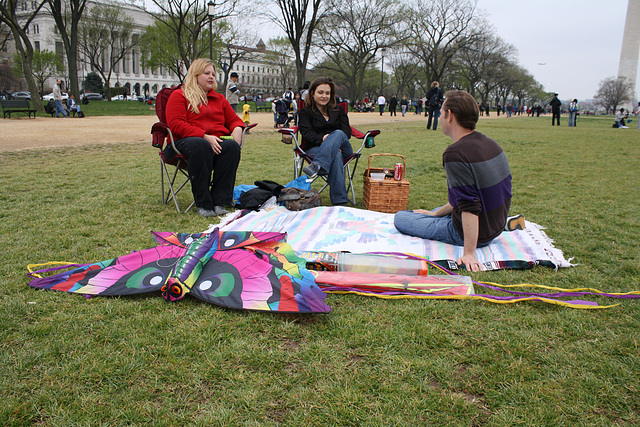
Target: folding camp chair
(349, 164)
(178, 178)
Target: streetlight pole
(210, 13)
(382, 71)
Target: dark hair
(463, 106)
(312, 90)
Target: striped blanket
(334, 229)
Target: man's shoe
(220, 210)
(206, 212)
(515, 223)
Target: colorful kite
(241, 270)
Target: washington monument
(631, 45)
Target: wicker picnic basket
(387, 195)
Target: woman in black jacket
(325, 133)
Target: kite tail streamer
(61, 265)
(551, 298)
(189, 267)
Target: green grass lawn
(140, 361)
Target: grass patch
(118, 108)
(140, 361)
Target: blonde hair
(191, 89)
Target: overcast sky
(578, 41)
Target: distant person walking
(57, 97)
(233, 94)
(393, 105)
(404, 104)
(382, 101)
(555, 104)
(435, 96)
(638, 116)
(573, 113)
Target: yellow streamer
(31, 266)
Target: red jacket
(215, 118)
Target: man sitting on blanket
(479, 187)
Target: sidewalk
(41, 132)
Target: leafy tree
(278, 54)
(614, 91)
(18, 27)
(161, 49)
(93, 83)
(45, 64)
(106, 37)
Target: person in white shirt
(382, 101)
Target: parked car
(124, 98)
(21, 95)
(246, 98)
(49, 97)
(93, 96)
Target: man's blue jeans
(330, 155)
(438, 228)
(60, 109)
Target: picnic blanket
(334, 229)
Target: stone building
(257, 70)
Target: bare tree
(438, 29)
(19, 30)
(614, 91)
(67, 15)
(299, 20)
(186, 21)
(233, 45)
(106, 39)
(405, 72)
(352, 33)
(482, 62)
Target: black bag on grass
(256, 197)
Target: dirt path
(23, 133)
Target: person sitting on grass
(620, 116)
(479, 187)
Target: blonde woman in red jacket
(198, 116)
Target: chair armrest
(289, 131)
(244, 131)
(364, 136)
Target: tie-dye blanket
(334, 229)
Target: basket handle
(404, 163)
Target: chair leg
(350, 173)
(170, 193)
